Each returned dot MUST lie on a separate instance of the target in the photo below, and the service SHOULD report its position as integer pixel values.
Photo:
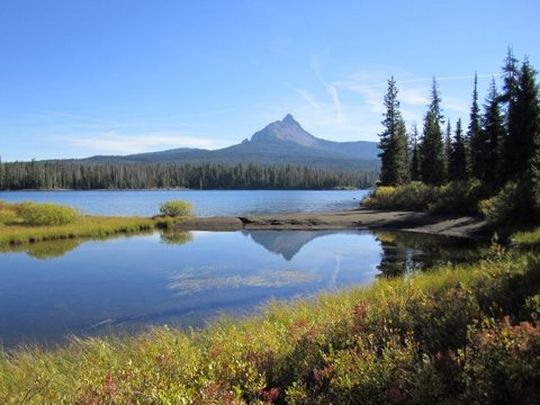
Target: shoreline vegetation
(27, 222)
(178, 215)
(456, 334)
(464, 333)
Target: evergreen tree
(393, 140)
(510, 79)
(457, 169)
(432, 146)
(415, 155)
(447, 148)
(494, 134)
(474, 135)
(520, 142)
(508, 99)
(528, 129)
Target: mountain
(280, 142)
(287, 244)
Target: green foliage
(458, 197)
(414, 153)
(393, 141)
(412, 196)
(478, 142)
(176, 209)
(29, 222)
(527, 239)
(533, 306)
(8, 217)
(453, 198)
(503, 206)
(501, 150)
(87, 176)
(432, 159)
(493, 137)
(47, 214)
(522, 142)
(437, 337)
(458, 159)
(502, 363)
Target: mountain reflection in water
(49, 290)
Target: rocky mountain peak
(288, 129)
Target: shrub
(502, 363)
(412, 196)
(47, 214)
(176, 209)
(458, 197)
(502, 206)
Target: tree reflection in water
(403, 253)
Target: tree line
(79, 176)
(499, 146)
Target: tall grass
(29, 222)
(81, 227)
(450, 336)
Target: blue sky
(85, 77)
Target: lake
(51, 289)
(205, 203)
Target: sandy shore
(412, 221)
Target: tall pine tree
(393, 140)
(493, 135)
(432, 146)
(520, 141)
(457, 166)
(508, 99)
(447, 148)
(528, 127)
(474, 135)
(414, 152)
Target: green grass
(27, 222)
(527, 239)
(461, 334)
(81, 227)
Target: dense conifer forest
(77, 176)
(493, 164)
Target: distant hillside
(281, 142)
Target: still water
(52, 289)
(206, 203)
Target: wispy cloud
(350, 107)
(112, 142)
(310, 98)
(331, 89)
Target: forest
(491, 167)
(78, 176)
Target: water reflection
(194, 281)
(187, 278)
(176, 237)
(407, 252)
(45, 250)
(288, 243)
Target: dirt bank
(459, 226)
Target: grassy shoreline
(82, 227)
(463, 334)
(27, 222)
(458, 334)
